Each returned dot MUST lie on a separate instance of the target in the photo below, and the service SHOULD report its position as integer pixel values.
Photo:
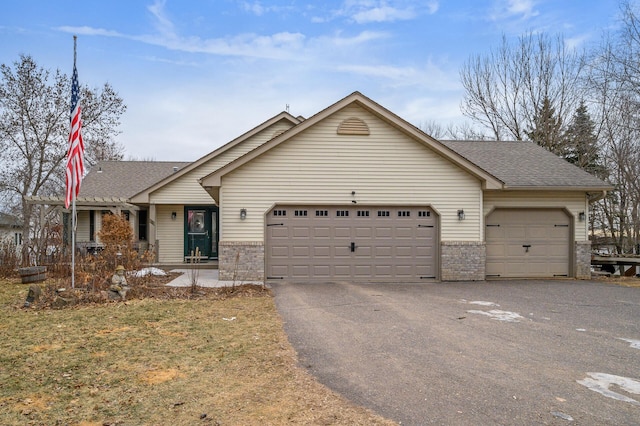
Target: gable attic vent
(353, 126)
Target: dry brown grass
(158, 362)
(623, 281)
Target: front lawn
(153, 361)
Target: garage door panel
(404, 251)
(300, 271)
(406, 232)
(342, 232)
(547, 234)
(279, 232)
(300, 232)
(383, 232)
(280, 270)
(383, 270)
(321, 251)
(321, 232)
(363, 232)
(342, 271)
(398, 244)
(280, 251)
(515, 232)
(300, 251)
(321, 271)
(383, 252)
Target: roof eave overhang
(558, 188)
(86, 203)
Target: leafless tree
(506, 89)
(463, 131)
(34, 130)
(613, 83)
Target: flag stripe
(75, 154)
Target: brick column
(241, 261)
(463, 260)
(583, 260)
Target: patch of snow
(635, 344)
(482, 303)
(600, 382)
(562, 416)
(150, 271)
(499, 315)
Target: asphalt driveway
(502, 352)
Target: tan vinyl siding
(170, 233)
(573, 202)
(320, 166)
(187, 190)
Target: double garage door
(356, 243)
(528, 243)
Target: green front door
(201, 231)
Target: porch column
(152, 227)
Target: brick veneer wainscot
(241, 261)
(463, 260)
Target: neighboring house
(356, 193)
(10, 230)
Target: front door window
(201, 231)
(198, 238)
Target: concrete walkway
(204, 278)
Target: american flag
(75, 154)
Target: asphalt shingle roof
(517, 164)
(524, 164)
(124, 179)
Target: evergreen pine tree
(582, 142)
(547, 129)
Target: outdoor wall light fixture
(582, 216)
(460, 214)
(174, 215)
(243, 214)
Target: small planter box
(33, 274)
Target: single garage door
(357, 243)
(528, 243)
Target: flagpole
(73, 214)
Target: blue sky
(194, 74)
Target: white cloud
(521, 9)
(376, 11)
(281, 46)
(429, 75)
(383, 14)
(576, 41)
(162, 22)
(84, 30)
(256, 7)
